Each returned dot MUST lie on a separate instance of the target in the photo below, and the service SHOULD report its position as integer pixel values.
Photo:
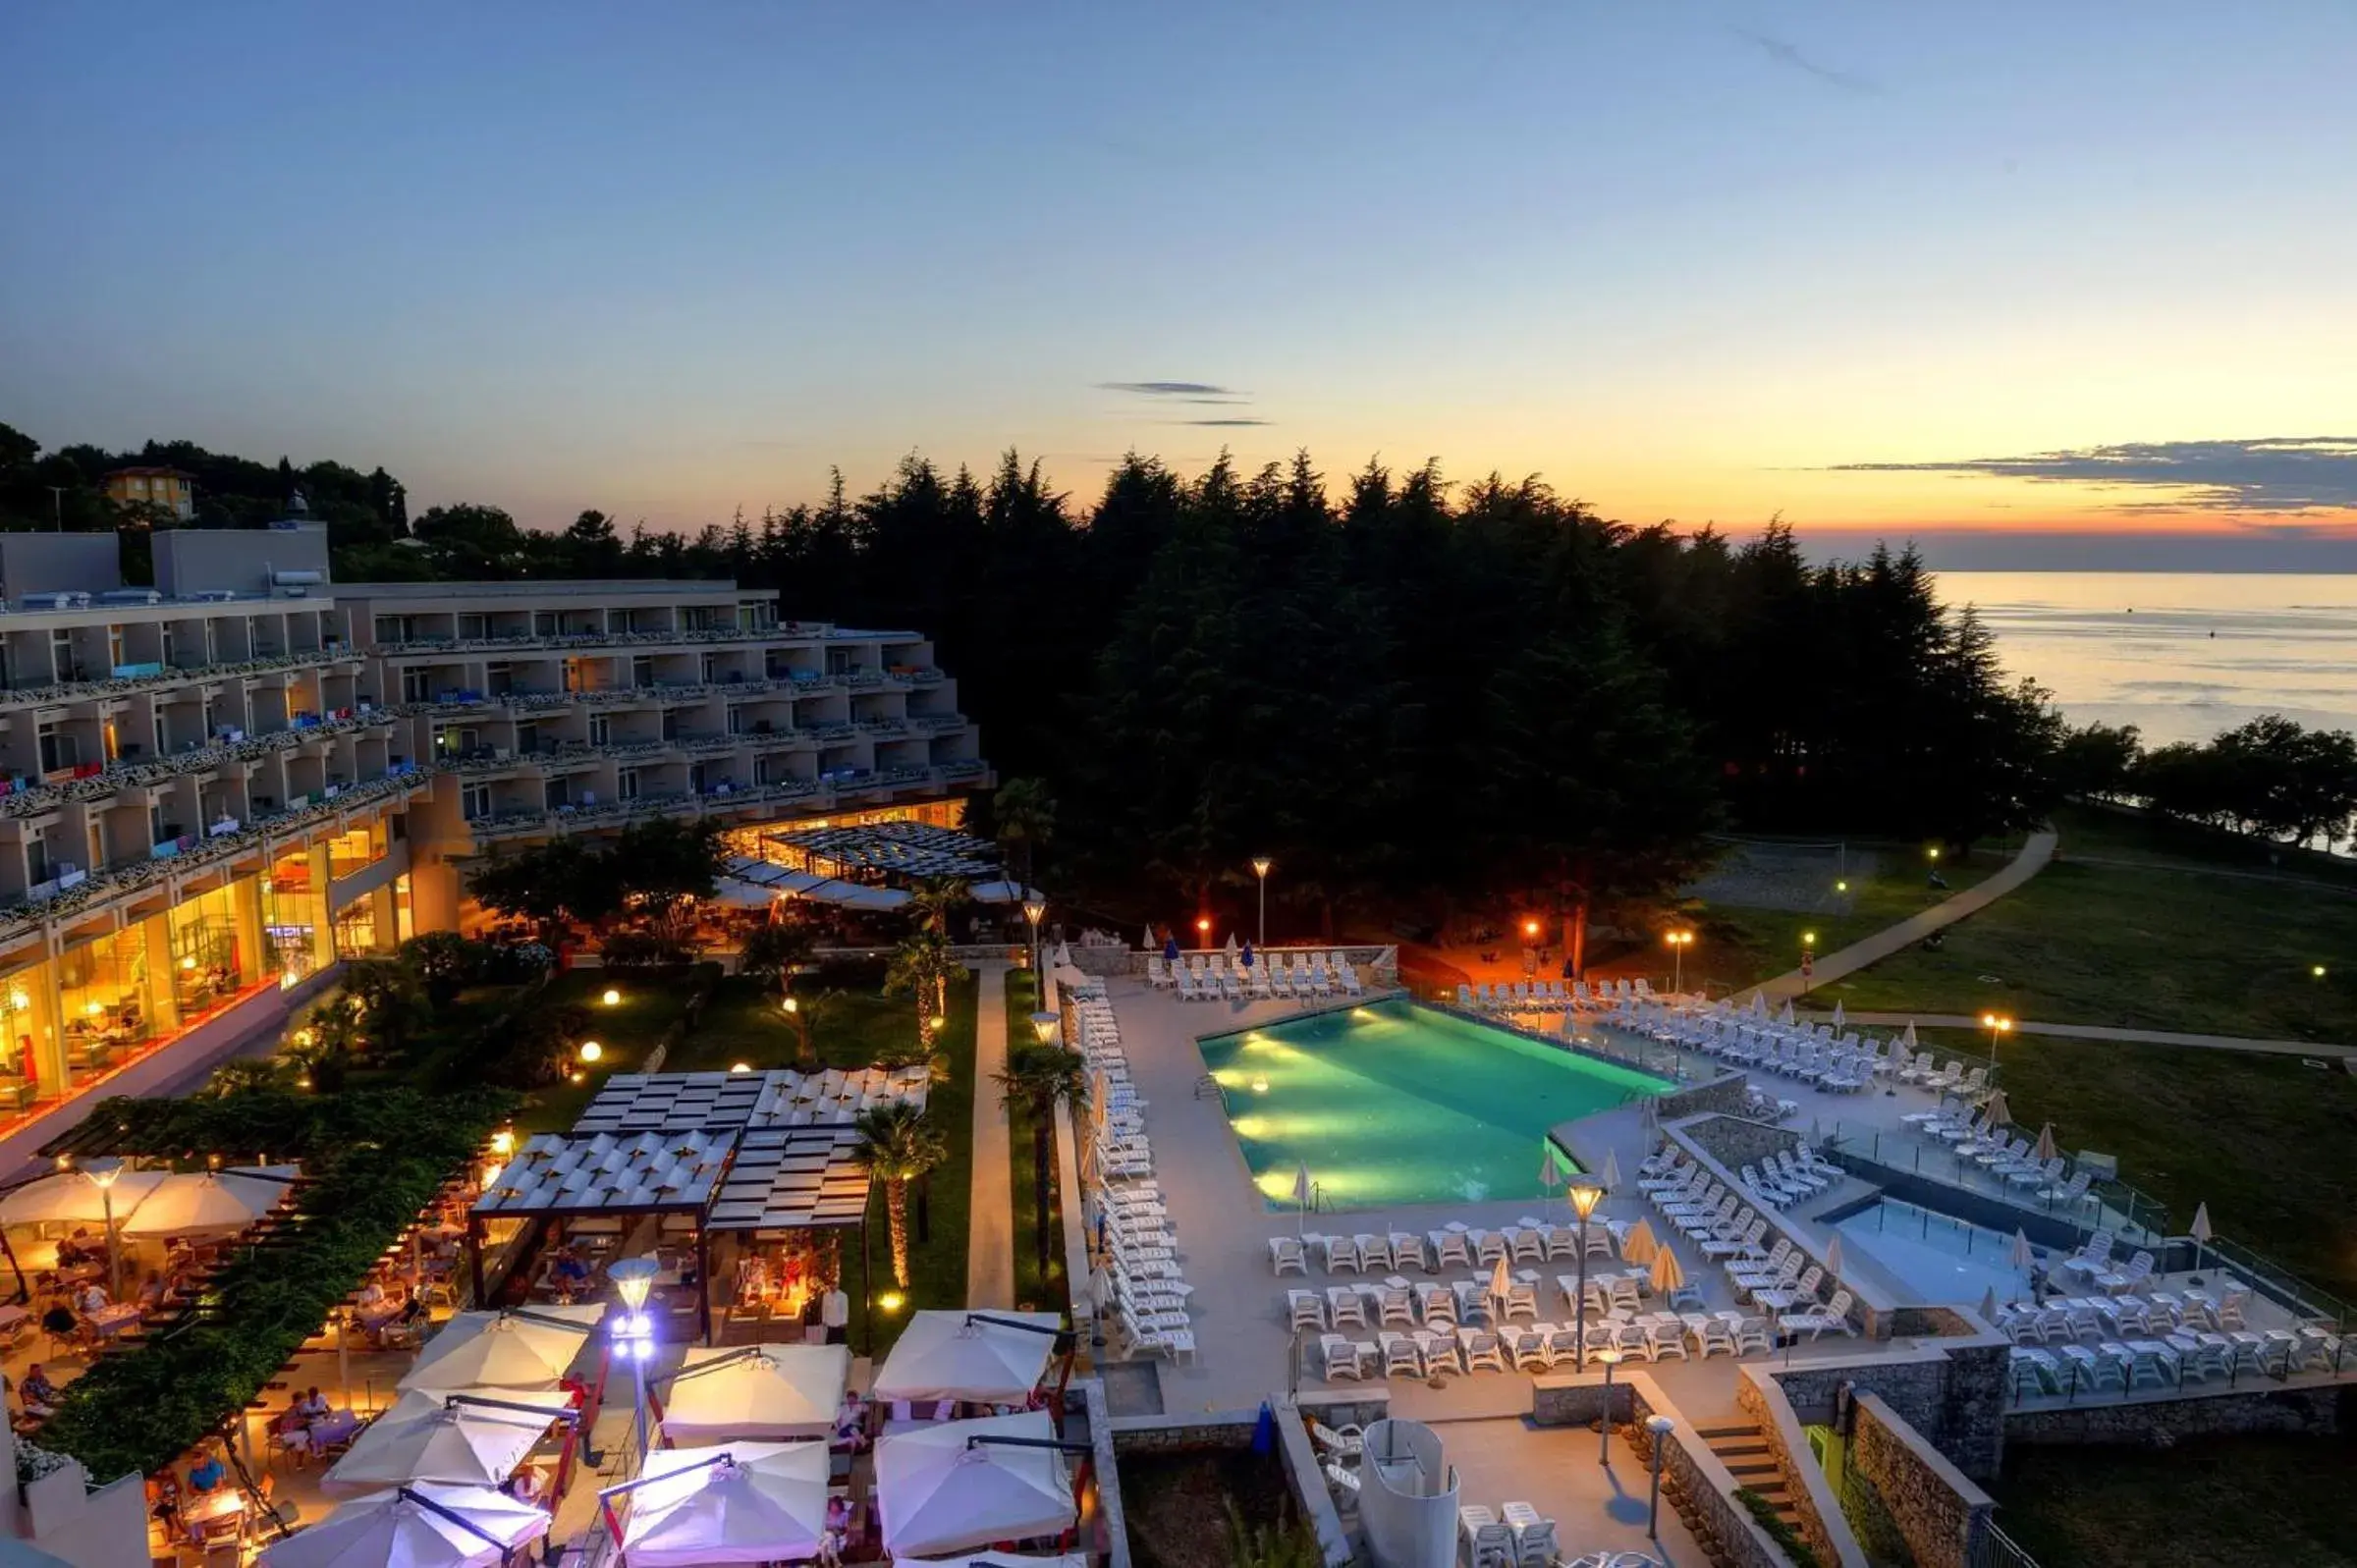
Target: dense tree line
(2272, 778)
(1454, 694)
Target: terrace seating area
(1550, 996)
(1246, 976)
(1136, 1254)
(1782, 1282)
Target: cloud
(1786, 55)
(2275, 474)
(1192, 391)
(1223, 422)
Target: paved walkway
(2092, 1030)
(2033, 858)
(990, 1230)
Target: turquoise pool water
(1396, 1103)
(1945, 1261)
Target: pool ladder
(1208, 1086)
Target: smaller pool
(1945, 1261)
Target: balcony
(170, 675)
(576, 641)
(203, 759)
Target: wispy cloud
(1191, 390)
(1223, 422)
(1789, 56)
(2279, 474)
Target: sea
(2179, 654)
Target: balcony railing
(661, 691)
(408, 646)
(842, 782)
(161, 770)
(125, 686)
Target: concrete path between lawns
(2033, 858)
(2096, 1031)
(990, 1226)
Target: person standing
(834, 1312)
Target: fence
(1992, 1547)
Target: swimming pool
(1396, 1104)
(1945, 1259)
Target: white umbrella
(1833, 1255)
(771, 1391)
(1988, 1306)
(2019, 1257)
(2200, 1232)
(1995, 1111)
(1612, 1170)
(1759, 1004)
(213, 1200)
(938, 1491)
(2046, 1143)
(402, 1529)
(1909, 1036)
(1502, 1280)
(72, 1198)
(1840, 1020)
(958, 1355)
(727, 1504)
(1231, 945)
(1551, 1174)
(1001, 890)
(1786, 1017)
(426, 1436)
(527, 1349)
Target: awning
(743, 895)
(527, 1349)
(737, 1502)
(467, 1438)
(72, 1198)
(213, 1200)
(960, 1355)
(938, 1489)
(1001, 890)
(410, 1527)
(760, 1391)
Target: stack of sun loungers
(1216, 977)
(1136, 1252)
(2007, 1157)
(1780, 1282)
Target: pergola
(751, 1154)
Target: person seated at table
(524, 1486)
(575, 1392)
(36, 1393)
(153, 1290)
(412, 1312)
(91, 1299)
(163, 1502)
(58, 1321)
(838, 1524)
(207, 1475)
(372, 1294)
(74, 1251)
(311, 1407)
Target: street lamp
(1661, 1427)
(1610, 1357)
(611, 998)
(591, 1051)
(2316, 971)
(1044, 1025)
(1035, 909)
(1585, 1196)
(1997, 1023)
(634, 1333)
(104, 1173)
(1203, 929)
(1261, 866)
(1808, 960)
(1679, 942)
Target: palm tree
(1025, 816)
(896, 1144)
(1042, 1077)
(921, 967)
(773, 952)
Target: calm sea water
(2179, 654)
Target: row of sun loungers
(1138, 1252)
(1781, 1279)
(1212, 977)
(1433, 1249)
(2170, 1360)
(1550, 996)
(2011, 1160)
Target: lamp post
(1203, 930)
(635, 1333)
(1585, 1196)
(104, 1173)
(1660, 1426)
(1035, 909)
(1997, 1024)
(1808, 960)
(1261, 865)
(1679, 942)
(1610, 1358)
(802, 1029)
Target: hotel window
(355, 849)
(356, 927)
(417, 685)
(104, 994)
(601, 730)
(643, 671)
(114, 647)
(209, 967)
(290, 916)
(474, 802)
(61, 654)
(627, 784)
(59, 750)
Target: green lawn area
(745, 1022)
(937, 1265)
(1738, 946)
(2148, 946)
(1033, 1291)
(624, 1032)
(2283, 1500)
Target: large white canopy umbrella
(190, 1201)
(411, 1527)
(962, 1355)
(757, 1391)
(527, 1349)
(739, 894)
(1001, 890)
(452, 1438)
(998, 1559)
(72, 1198)
(940, 1491)
(23, 1554)
(731, 1502)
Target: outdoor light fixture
(1045, 1025)
(1935, 851)
(1808, 939)
(1585, 1196)
(634, 1331)
(503, 1142)
(1997, 1024)
(2316, 971)
(1261, 866)
(1660, 1426)
(1260, 1086)
(1612, 1357)
(791, 1005)
(1679, 942)
(741, 1066)
(940, 1020)
(1841, 886)
(1530, 927)
(890, 1301)
(1035, 909)
(104, 1173)
(591, 1051)
(611, 998)
(1203, 924)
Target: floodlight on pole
(1262, 865)
(1045, 1025)
(1585, 1196)
(105, 1172)
(1660, 1426)
(635, 1334)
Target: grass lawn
(624, 1033)
(1738, 946)
(744, 1023)
(936, 1264)
(2139, 946)
(2282, 1500)
(1033, 1290)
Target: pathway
(2091, 1031)
(2033, 858)
(990, 1228)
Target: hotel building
(213, 789)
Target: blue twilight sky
(2081, 268)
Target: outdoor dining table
(223, 1503)
(331, 1431)
(108, 1321)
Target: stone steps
(1743, 1448)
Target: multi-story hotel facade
(214, 789)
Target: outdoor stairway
(1744, 1451)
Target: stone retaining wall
(1089, 1395)
(1937, 1511)
(2314, 1412)
(1733, 1139)
(1724, 1095)
(1953, 1394)
(1229, 1429)
(1822, 1524)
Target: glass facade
(355, 849)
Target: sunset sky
(2082, 269)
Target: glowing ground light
(890, 1301)
(741, 1066)
(591, 1051)
(1260, 1086)
(2316, 971)
(612, 999)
